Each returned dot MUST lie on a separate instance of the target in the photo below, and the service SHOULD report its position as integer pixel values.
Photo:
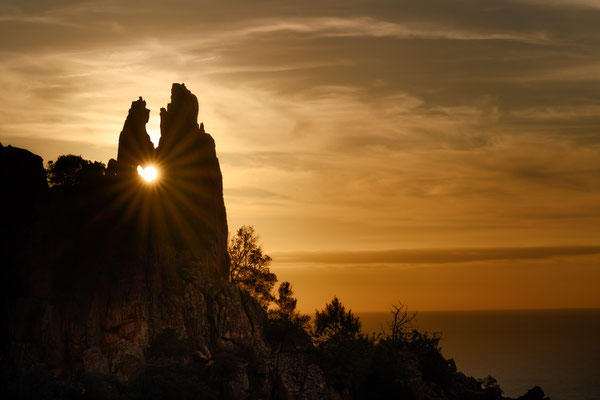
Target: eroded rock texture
(190, 169)
(104, 274)
(118, 288)
(23, 179)
(135, 146)
(186, 210)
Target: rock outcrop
(104, 274)
(135, 146)
(23, 178)
(187, 209)
(190, 169)
(118, 288)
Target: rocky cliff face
(104, 277)
(135, 146)
(187, 209)
(118, 289)
(24, 180)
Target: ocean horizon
(557, 350)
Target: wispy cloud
(433, 256)
(51, 17)
(372, 27)
(365, 126)
(446, 124)
(585, 4)
(38, 19)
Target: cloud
(454, 120)
(51, 149)
(15, 14)
(584, 4)
(373, 27)
(252, 192)
(433, 256)
(42, 19)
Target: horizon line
(594, 308)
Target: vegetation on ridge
(357, 365)
(400, 362)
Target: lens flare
(149, 173)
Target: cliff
(99, 278)
(186, 208)
(114, 287)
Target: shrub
(70, 171)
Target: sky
(441, 154)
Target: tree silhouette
(334, 321)
(398, 326)
(248, 266)
(490, 385)
(342, 351)
(286, 306)
(70, 170)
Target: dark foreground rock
(121, 286)
(118, 288)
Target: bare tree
(398, 326)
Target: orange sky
(352, 126)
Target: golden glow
(330, 138)
(149, 173)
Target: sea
(558, 350)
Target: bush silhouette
(249, 266)
(286, 307)
(334, 321)
(69, 171)
(342, 351)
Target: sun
(149, 173)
